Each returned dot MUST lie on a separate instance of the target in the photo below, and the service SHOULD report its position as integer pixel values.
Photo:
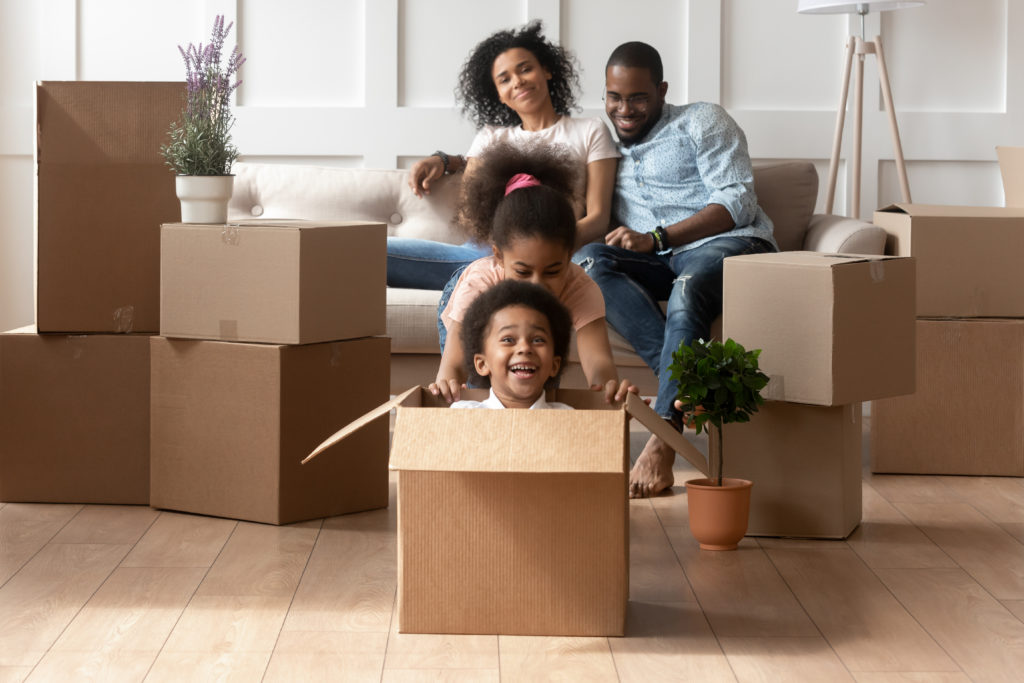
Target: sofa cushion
(787, 191)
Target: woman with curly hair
(520, 88)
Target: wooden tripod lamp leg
(837, 142)
(883, 77)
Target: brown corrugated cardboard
(805, 462)
(282, 282)
(232, 421)
(513, 521)
(968, 257)
(74, 418)
(967, 416)
(102, 191)
(1011, 166)
(833, 329)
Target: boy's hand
(617, 390)
(449, 388)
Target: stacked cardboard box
(834, 330)
(270, 335)
(967, 415)
(74, 389)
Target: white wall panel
(948, 56)
(434, 38)
(115, 40)
(303, 53)
(967, 183)
(16, 255)
(593, 28)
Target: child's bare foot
(652, 472)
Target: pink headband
(519, 181)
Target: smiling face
(536, 260)
(521, 81)
(518, 355)
(632, 101)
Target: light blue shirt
(694, 155)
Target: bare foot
(652, 472)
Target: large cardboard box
(74, 418)
(231, 423)
(967, 416)
(513, 521)
(805, 462)
(282, 282)
(968, 257)
(833, 329)
(102, 191)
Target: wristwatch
(444, 160)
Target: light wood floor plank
(862, 621)
(1015, 606)
(234, 623)
(1001, 499)
(439, 652)
(349, 582)
(441, 676)
(223, 667)
(329, 657)
(122, 666)
(740, 591)
(14, 674)
(784, 659)
(108, 524)
(260, 559)
(910, 488)
(886, 538)
(910, 677)
(25, 528)
(666, 642)
(985, 639)
(535, 658)
(180, 540)
(989, 554)
(46, 594)
(134, 610)
(655, 574)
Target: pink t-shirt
(580, 294)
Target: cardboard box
(1011, 167)
(102, 191)
(968, 257)
(282, 282)
(231, 423)
(805, 462)
(513, 521)
(833, 329)
(967, 416)
(74, 418)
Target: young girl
(515, 337)
(517, 201)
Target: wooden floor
(929, 588)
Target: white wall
(369, 82)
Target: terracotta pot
(718, 514)
(204, 198)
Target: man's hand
(423, 173)
(625, 238)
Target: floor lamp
(860, 47)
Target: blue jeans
(446, 293)
(691, 282)
(424, 264)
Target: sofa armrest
(841, 235)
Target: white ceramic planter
(204, 198)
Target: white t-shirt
(493, 403)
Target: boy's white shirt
(493, 403)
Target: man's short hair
(637, 55)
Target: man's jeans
(423, 264)
(691, 282)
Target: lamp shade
(843, 7)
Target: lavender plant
(201, 139)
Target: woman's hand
(423, 173)
(448, 388)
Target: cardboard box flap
(357, 424)
(639, 409)
(944, 211)
(812, 259)
(287, 223)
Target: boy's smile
(518, 355)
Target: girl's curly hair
(545, 210)
(476, 90)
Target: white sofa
(786, 190)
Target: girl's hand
(448, 388)
(617, 390)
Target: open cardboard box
(514, 521)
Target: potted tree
(200, 150)
(719, 383)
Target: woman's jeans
(691, 281)
(424, 264)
